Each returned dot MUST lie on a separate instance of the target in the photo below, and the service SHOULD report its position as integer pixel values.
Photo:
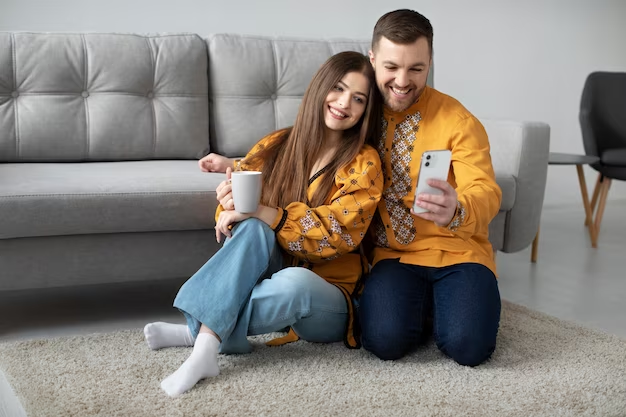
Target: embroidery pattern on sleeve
(459, 217)
(307, 222)
(335, 227)
(348, 204)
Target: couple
(323, 185)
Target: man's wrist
(458, 218)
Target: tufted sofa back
(121, 97)
(256, 84)
(102, 97)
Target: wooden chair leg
(604, 192)
(534, 250)
(583, 191)
(594, 197)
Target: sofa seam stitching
(86, 71)
(274, 93)
(104, 194)
(138, 35)
(295, 39)
(152, 63)
(125, 93)
(15, 107)
(250, 97)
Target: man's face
(401, 71)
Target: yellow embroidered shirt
(326, 239)
(436, 121)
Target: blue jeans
(244, 290)
(398, 299)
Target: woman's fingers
(225, 195)
(223, 189)
(222, 228)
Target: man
(438, 264)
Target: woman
(295, 261)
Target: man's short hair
(403, 27)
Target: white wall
(504, 59)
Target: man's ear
(372, 58)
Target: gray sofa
(100, 136)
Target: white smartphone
(434, 164)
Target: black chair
(603, 124)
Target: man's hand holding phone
(441, 208)
(435, 199)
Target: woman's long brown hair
(287, 162)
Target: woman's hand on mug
(226, 220)
(225, 192)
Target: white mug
(246, 190)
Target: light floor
(571, 281)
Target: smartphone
(434, 164)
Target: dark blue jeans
(399, 299)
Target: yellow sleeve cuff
(458, 219)
(218, 211)
(279, 221)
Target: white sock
(201, 364)
(161, 335)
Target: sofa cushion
(257, 84)
(102, 97)
(79, 198)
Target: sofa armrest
(521, 150)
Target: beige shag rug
(542, 367)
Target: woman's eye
(358, 99)
(337, 88)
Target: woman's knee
(294, 281)
(254, 232)
(252, 225)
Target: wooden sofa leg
(534, 250)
